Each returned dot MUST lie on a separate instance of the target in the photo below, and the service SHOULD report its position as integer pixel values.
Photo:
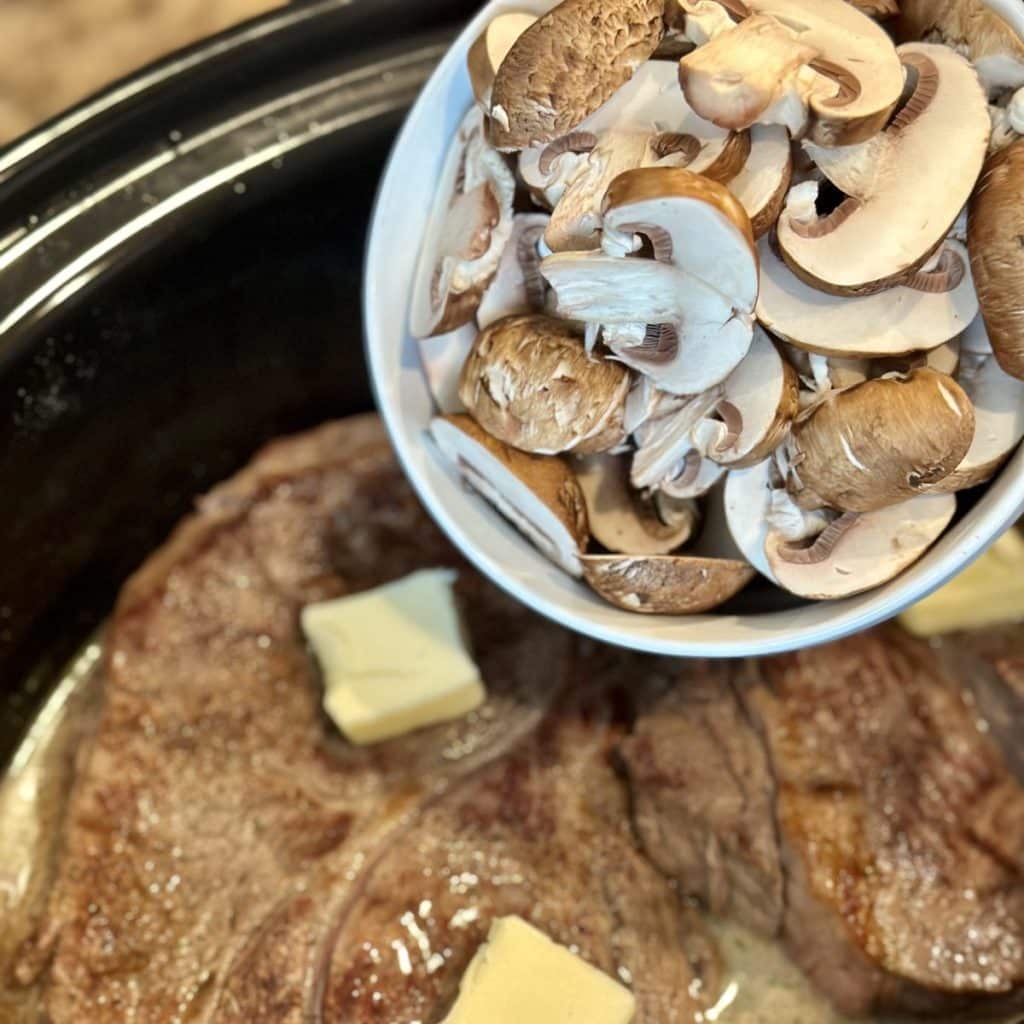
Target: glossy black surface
(201, 300)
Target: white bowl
(403, 206)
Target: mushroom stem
(574, 142)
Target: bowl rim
(996, 512)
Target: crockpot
(180, 271)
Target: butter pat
(988, 593)
(519, 976)
(393, 658)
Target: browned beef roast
(845, 800)
(229, 858)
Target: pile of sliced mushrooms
(723, 287)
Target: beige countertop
(55, 52)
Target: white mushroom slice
(567, 64)
(537, 494)
(666, 585)
(622, 519)
(859, 552)
(881, 442)
(900, 198)
(893, 322)
(684, 317)
(443, 357)
(989, 32)
(695, 477)
(518, 286)
(468, 230)
(755, 73)
(759, 400)
(647, 402)
(747, 500)
(764, 181)
(997, 255)
(491, 48)
(755, 503)
(667, 457)
(576, 218)
(998, 401)
(529, 382)
(838, 71)
(646, 123)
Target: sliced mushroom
(469, 227)
(759, 401)
(518, 286)
(904, 187)
(537, 494)
(622, 519)
(529, 383)
(757, 72)
(765, 179)
(989, 32)
(567, 64)
(859, 552)
(897, 321)
(995, 231)
(998, 401)
(668, 459)
(443, 357)
(822, 64)
(684, 317)
(491, 48)
(881, 442)
(747, 502)
(755, 503)
(666, 585)
(646, 123)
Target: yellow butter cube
(519, 976)
(394, 658)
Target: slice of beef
(895, 825)
(704, 798)
(543, 833)
(224, 846)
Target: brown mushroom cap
(882, 442)
(996, 227)
(491, 48)
(562, 68)
(538, 494)
(529, 382)
(666, 585)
